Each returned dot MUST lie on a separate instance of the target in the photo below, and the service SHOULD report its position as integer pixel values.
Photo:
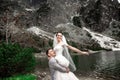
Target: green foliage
(50, 43)
(14, 59)
(21, 77)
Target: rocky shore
(45, 75)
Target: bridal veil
(65, 53)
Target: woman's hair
(58, 32)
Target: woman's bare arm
(77, 50)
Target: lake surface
(104, 62)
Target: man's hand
(67, 70)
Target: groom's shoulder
(51, 60)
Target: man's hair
(48, 51)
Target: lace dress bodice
(59, 55)
(58, 49)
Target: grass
(21, 77)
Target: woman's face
(59, 37)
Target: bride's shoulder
(63, 44)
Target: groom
(54, 65)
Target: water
(106, 63)
(85, 63)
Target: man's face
(51, 53)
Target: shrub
(14, 59)
(21, 77)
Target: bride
(63, 57)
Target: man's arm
(58, 67)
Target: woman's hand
(85, 53)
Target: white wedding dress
(63, 62)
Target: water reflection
(85, 63)
(107, 59)
(109, 64)
(106, 62)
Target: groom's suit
(54, 66)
